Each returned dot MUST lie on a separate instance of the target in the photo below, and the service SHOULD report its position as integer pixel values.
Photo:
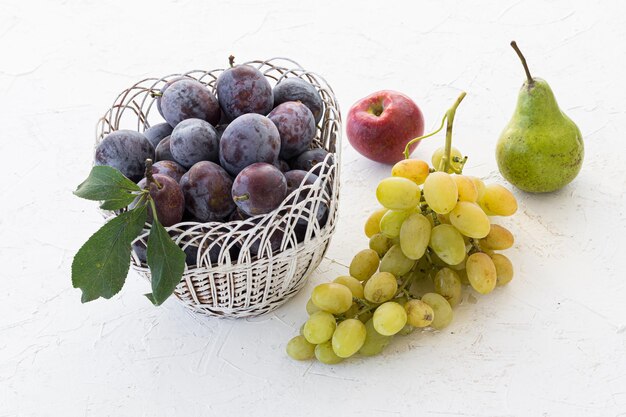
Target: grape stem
(407, 149)
(366, 306)
(475, 245)
(362, 301)
(445, 160)
(406, 283)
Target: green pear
(541, 149)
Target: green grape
(311, 307)
(458, 267)
(431, 219)
(332, 297)
(448, 244)
(352, 311)
(348, 338)
(480, 187)
(462, 273)
(443, 218)
(504, 269)
(466, 187)
(381, 287)
(414, 236)
(421, 285)
(319, 327)
(421, 271)
(380, 243)
(422, 267)
(374, 341)
(324, 353)
(364, 264)
(401, 300)
(438, 156)
(300, 349)
(418, 313)
(497, 200)
(499, 238)
(470, 220)
(372, 224)
(440, 192)
(391, 222)
(448, 284)
(406, 330)
(442, 311)
(481, 272)
(389, 318)
(395, 262)
(352, 283)
(397, 193)
(413, 169)
(365, 316)
(436, 260)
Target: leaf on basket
(100, 267)
(107, 184)
(166, 261)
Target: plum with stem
(243, 89)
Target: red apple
(380, 125)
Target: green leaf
(107, 184)
(119, 202)
(151, 298)
(100, 267)
(166, 261)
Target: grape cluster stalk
(431, 240)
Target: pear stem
(521, 57)
(445, 160)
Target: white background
(552, 343)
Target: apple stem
(521, 57)
(445, 160)
(407, 149)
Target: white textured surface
(552, 343)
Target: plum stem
(231, 60)
(524, 64)
(241, 197)
(445, 160)
(407, 149)
(149, 177)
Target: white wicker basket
(247, 267)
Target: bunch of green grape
(432, 238)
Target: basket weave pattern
(248, 267)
